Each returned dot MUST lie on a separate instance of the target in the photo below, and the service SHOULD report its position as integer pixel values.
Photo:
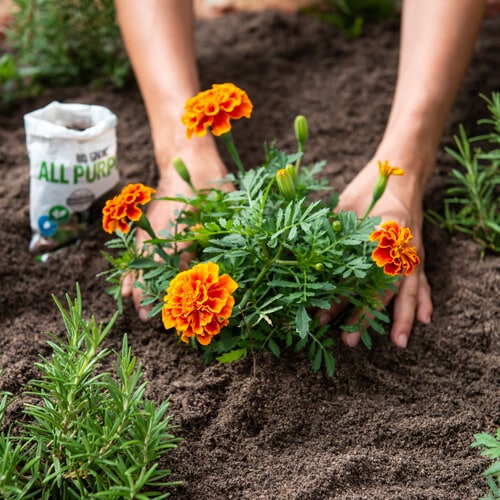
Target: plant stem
(285, 262)
(227, 138)
(144, 224)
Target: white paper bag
(73, 169)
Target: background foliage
(352, 15)
(54, 43)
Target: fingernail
(402, 340)
(351, 339)
(323, 319)
(143, 314)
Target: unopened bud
(379, 188)
(301, 131)
(285, 184)
(181, 169)
(292, 171)
(200, 236)
(337, 226)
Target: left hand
(401, 202)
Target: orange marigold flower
(124, 206)
(214, 109)
(199, 302)
(394, 252)
(386, 170)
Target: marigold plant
(269, 254)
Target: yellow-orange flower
(394, 252)
(214, 108)
(124, 207)
(199, 302)
(386, 170)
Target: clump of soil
(391, 423)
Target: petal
(221, 124)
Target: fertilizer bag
(72, 154)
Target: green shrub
(471, 200)
(352, 15)
(85, 433)
(64, 43)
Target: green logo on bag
(59, 214)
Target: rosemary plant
(85, 433)
(471, 202)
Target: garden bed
(391, 423)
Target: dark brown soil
(391, 423)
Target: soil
(391, 423)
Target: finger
(351, 339)
(337, 308)
(128, 290)
(128, 285)
(142, 311)
(405, 305)
(425, 308)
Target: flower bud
(285, 184)
(292, 171)
(181, 169)
(301, 131)
(385, 171)
(337, 226)
(201, 237)
(379, 187)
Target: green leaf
(492, 469)
(350, 328)
(375, 325)
(329, 363)
(301, 344)
(302, 321)
(365, 337)
(231, 356)
(274, 348)
(317, 360)
(484, 439)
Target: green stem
(144, 224)
(369, 209)
(260, 276)
(300, 149)
(286, 262)
(227, 138)
(378, 191)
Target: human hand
(206, 168)
(401, 202)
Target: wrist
(414, 150)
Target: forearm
(437, 41)
(158, 36)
